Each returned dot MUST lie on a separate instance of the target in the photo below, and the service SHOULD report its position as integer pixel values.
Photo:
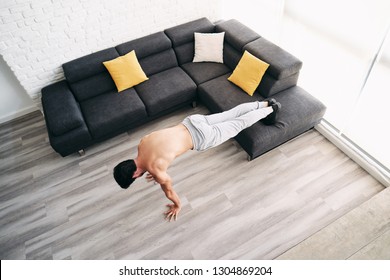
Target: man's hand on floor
(172, 213)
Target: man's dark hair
(123, 173)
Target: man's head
(124, 173)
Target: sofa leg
(249, 158)
(81, 152)
(194, 104)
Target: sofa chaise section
(300, 112)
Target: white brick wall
(38, 36)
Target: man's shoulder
(159, 164)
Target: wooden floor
(71, 208)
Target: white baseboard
(17, 114)
(372, 167)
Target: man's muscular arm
(170, 193)
(165, 182)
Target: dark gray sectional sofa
(86, 108)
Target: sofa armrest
(62, 112)
(282, 64)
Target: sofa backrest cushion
(182, 37)
(154, 52)
(87, 76)
(282, 63)
(237, 36)
(125, 71)
(284, 68)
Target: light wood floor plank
(363, 233)
(71, 208)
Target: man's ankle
(270, 101)
(271, 119)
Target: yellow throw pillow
(125, 71)
(248, 73)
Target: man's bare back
(156, 151)
(164, 146)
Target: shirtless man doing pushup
(157, 150)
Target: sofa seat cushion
(202, 72)
(220, 95)
(166, 90)
(113, 111)
(299, 109)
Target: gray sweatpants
(211, 130)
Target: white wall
(263, 16)
(14, 101)
(358, 24)
(38, 36)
